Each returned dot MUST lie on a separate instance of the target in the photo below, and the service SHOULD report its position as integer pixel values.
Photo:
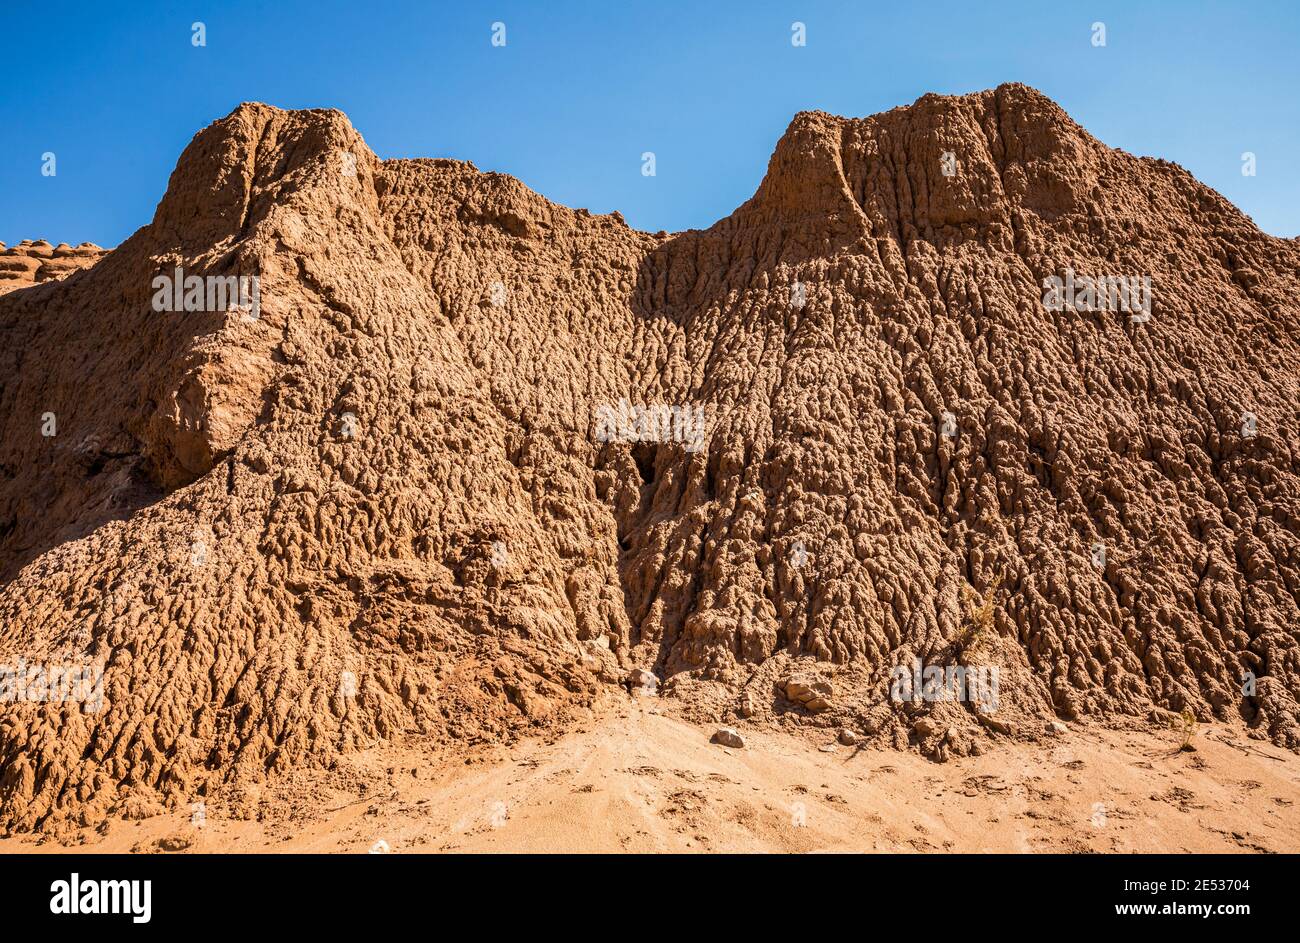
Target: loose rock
(728, 737)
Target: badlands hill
(473, 457)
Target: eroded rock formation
(32, 262)
(393, 502)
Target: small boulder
(798, 691)
(728, 737)
(848, 737)
(811, 694)
(992, 723)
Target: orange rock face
(959, 387)
(34, 262)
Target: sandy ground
(641, 779)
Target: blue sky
(581, 89)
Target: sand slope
(640, 779)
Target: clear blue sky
(581, 89)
